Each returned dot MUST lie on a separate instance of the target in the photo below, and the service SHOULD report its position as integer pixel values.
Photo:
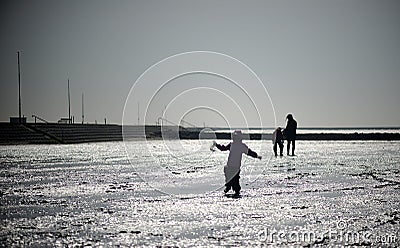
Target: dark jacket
(277, 137)
(290, 130)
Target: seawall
(53, 133)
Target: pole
(69, 105)
(83, 115)
(19, 89)
(138, 119)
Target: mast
(19, 89)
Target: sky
(332, 63)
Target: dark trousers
(280, 148)
(234, 183)
(293, 146)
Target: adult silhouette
(290, 133)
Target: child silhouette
(232, 168)
(277, 139)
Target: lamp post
(19, 90)
(69, 105)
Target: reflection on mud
(90, 195)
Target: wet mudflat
(331, 193)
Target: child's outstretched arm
(223, 147)
(253, 154)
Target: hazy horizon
(330, 63)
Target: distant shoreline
(53, 133)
